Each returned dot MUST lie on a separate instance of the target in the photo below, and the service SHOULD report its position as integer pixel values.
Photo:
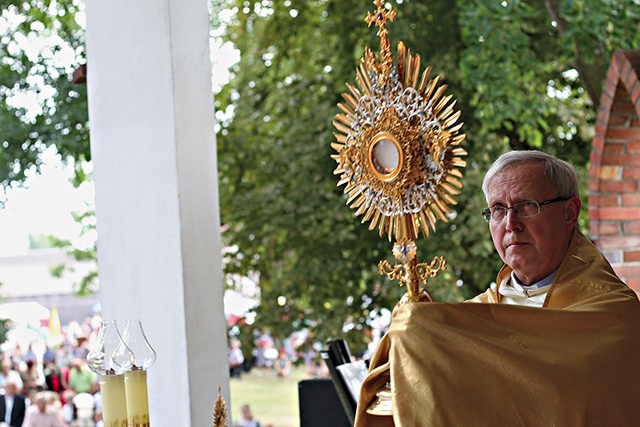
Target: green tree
(41, 45)
(526, 75)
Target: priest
(556, 340)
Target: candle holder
(110, 358)
(135, 380)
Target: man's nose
(512, 221)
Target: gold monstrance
(398, 153)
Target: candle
(114, 405)
(135, 380)
(109, 357)
(135, 384)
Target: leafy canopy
(525, 74)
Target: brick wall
(614, 175)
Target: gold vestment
(575, 362)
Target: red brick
(623, 133)
(603, 115)
(631, 82)
(615, 213)
(606, 99)
(635, 121)
(631, 228)
(596, 157)
(613, 147)
(635, 93)
(618, 242)
(610, 87)
(631, 173)
(593, 184)
(633, 56)
(601, 128)
(619, 120)
(605, 172)
(628, 271)
(598, 142)
(631, 199)
(625, 70)
(618, 186)
(608, 228)
(633, 147)
(607, 200)
(634, 284)
(631, 256)
(620, 160)
(623, 106)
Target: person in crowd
(53, 377)
(310, 356)
(282, 364)
(247, 419)
(63, 356)
(236, 359)
(81, 379)
(68, 409)
(8, 373)
(12, 405)
(554, 342)
(42, 414)
(266, 353)
(49, 355)
(30, 375)
(30, 355)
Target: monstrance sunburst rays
(398, 152)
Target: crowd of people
(271, 359)
(52, 387)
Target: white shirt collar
(516, 293)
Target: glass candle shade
(109, 357)
(135, 380)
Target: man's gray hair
(562, 175)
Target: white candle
(135, 384)
(114, 406)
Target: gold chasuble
(574, 362)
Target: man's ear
(572, 212)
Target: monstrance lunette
(398, 153)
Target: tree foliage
(41, 44)
(525, 74)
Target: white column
(153, 147)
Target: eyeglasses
(524, 209)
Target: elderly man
(43, 414)
(12, 405)
(555, 342)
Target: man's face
(533, 247)
(10, 388)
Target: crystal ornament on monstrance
(398, 153)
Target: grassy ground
(272, 400)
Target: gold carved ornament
(398, 153)
(220, 413)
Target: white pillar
(153, 147)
